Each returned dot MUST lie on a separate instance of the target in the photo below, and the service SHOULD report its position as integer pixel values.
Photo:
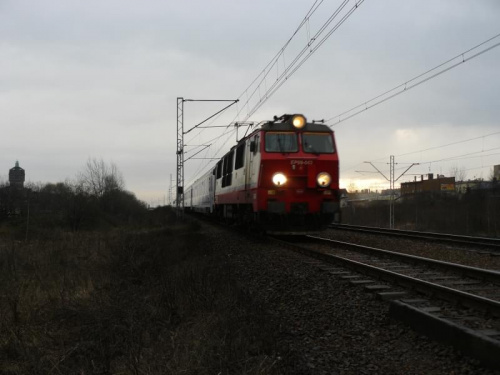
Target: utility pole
(170, 190)
(179, 197)
(391, 201)
(392, 182)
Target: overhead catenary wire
(273, 62)
(483, 153)
(445, 145)
(466, 156)
(419, 79)
(383, 159)
(202, 168)
(300, 59)
(312, 45)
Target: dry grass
(150, 302)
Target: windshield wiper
(280, 145)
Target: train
(284, 175)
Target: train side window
(219, 169)
(240, 156)
(230, 158)
(228, 169)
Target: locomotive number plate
(301, 162)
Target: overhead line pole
(179, 200)
(391, 202)
(392, 182)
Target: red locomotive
(284, 175)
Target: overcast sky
(100, 78)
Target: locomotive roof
(286, 126)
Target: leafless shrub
(154, 301)
(460, 173)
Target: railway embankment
(332, 326)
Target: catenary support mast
(392, 183)
(179, 199)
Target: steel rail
(484, 274)
(426, 287)
(453, 238)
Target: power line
(204, 166)
(312, 45)
(406, 86)
(453, 158)
(464, 156)
(275, 60)
(299, 60)
(445, 145)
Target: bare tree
(98, 178)
(352, 188)
(492, 176)
(34, 186)
(459, 173)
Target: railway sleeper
(474, 343)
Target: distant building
(440, 183)
(471, 185)
(388, 194)
(496, 172)
(343, 197)
(13, 197)
(16, 176)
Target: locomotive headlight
(324, 179)
(279, 179)
(298, 121)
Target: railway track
(461, 301)
(481, 242)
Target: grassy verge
(156, 301)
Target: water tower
(16, 176)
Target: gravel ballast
(326, 325)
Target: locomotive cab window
(281, 142)
(254, 145)
(317, 143)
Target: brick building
(440, 183)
